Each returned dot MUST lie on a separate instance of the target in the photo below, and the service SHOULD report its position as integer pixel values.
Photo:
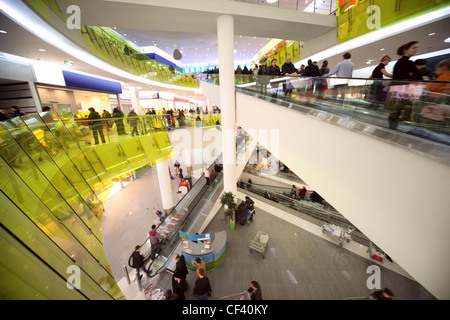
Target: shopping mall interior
(118, 117)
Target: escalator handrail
(219, 177)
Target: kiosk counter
(209, 247)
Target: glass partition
(416, 108)
(54, 175)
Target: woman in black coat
(405, 69)
(180, 267)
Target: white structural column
(135, 100)
(225, 36)
(187, 157)
(165, 185)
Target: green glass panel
(27, 232)
(24, 277)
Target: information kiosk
(209, 247)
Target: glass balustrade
(54, 173)
(416, 108)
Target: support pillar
(135, 100)
(225, 36)
(187, 157)
(165, 186)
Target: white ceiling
(197, 48)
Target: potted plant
(230, 206)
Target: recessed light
(447, 40)
(42, 50)
(69, 63)
(3, 31)
(432, 34)
(382, 49)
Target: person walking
(137, 261)
(202, 287)
(133, 122)
(96, 125)
(118, 120)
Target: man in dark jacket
(138, 261)
(312, 70)
(133, 122)
(96, 125)
(202, 287)
(288, 68)
(118, 120)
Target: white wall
(396, 197)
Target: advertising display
(358, 17)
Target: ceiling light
(3, 31)
(235, 50)
(69, 63)
(432, 34)
(447, 40)
(42, 50)
(382, 49)
(369, 62)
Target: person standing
(288, 68)
(207, 176)
(118, 120)
(96, 125)
(180, 267)
(404, 68)
(178, 286)
(202, 287)
(312, 70)
(324, 69)
(274, 70)
(107, 117)
(425, 72)
(154, 241)
(380, 69)
(343, 69)
(377, 86)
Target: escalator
(188, 216)
(319, 213)
(385, 169)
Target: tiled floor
(297, 265)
